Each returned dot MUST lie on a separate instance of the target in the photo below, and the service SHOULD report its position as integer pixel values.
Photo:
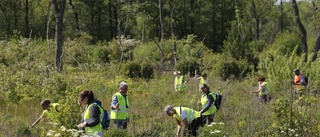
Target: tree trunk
(161, 31)
(99, 21)
(59, 12)
(111, 22)
(76, 16)
(317, 46)
(256, 25)
(15, 14)
(26, 19)
(303, 35)
(281, 16)
(6, 16)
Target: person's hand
(117, 106)
(79, 102)
(81, 125)
(177, 135)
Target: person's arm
(95, 117)
(262, 87)
(94, 120)
(178, 127)
(302, 80)
(186, 127)
(37, 121)
(114, 103)
(57, 108)
(208, 105)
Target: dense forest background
(55, 49)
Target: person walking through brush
(179, 82)
(49, 111)
(202, 80)
(263, 90)
(190, 118)
(299, 82)
(120, 106)
(91, 122)
(207, 101)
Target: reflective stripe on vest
(122, 112)
(87, 115)
(190, 114)
(205, 101)
(266, 91)
(178, 81)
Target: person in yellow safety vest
(202, 80)
(263, 90)
(49, 111)
(120, 106)
(207, 101)
(299, 82)
(91, 117)
(191, 119)
(179, 82)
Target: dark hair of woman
(87, 93)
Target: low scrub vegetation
(27, 75)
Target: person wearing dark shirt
(91, 115)
(207, 102)
(120, 107)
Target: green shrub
(187, 66)
(102, 55)
(147, 71)
(286, 42)
(228, 69)
(116, 133)
(213, 130)
(132, 69)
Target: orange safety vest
(297, 78)
(297, 81)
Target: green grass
(24, 82)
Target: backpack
(218, 100)
(105, 122)
(306, 80)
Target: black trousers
(195, 124)
(208, 119)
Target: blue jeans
(121, 123)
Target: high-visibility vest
(266, 91)
(202, 81)
(190, 114)
(52, 113)
(178, 81)
(97, 128)
(122, 112)
(205, 101)
(297, 81)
